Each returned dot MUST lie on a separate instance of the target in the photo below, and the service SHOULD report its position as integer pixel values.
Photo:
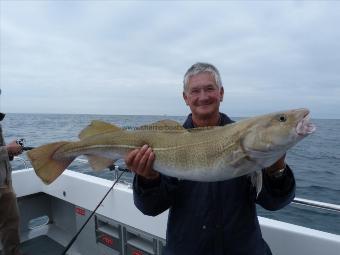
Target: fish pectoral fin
(98, 127)
(99, 163)
(257, 181)
(164, 125)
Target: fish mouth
(304, 126)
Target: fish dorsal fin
(99, 163)
(98, 127)
(164, 125)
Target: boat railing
(24, 161)
(317, 204)
(296, 201)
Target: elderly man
(208, 217)
(9, 215)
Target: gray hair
(200, 68)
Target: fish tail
(44, 163)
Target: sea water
(315, 160)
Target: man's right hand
(140, 161)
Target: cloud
(82, 57)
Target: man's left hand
(276, 167)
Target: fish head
(268, 137)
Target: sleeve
(154, 197)
(3, 153)
(276, 193)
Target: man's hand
(14, 149)
(277, 166)
(140, 162)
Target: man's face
(203, 95)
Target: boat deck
(60, 209)
(41, 245)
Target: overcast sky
(121, 57)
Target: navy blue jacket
(217, 218)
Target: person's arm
(278, 188)
(3, 153)
(152, 192)
(153, 198)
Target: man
(9, 214)
(216, 218)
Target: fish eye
(282, 118)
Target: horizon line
(170, 115)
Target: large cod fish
(199, 154)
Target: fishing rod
(27, 148)
(88, 219)
(21, 142)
